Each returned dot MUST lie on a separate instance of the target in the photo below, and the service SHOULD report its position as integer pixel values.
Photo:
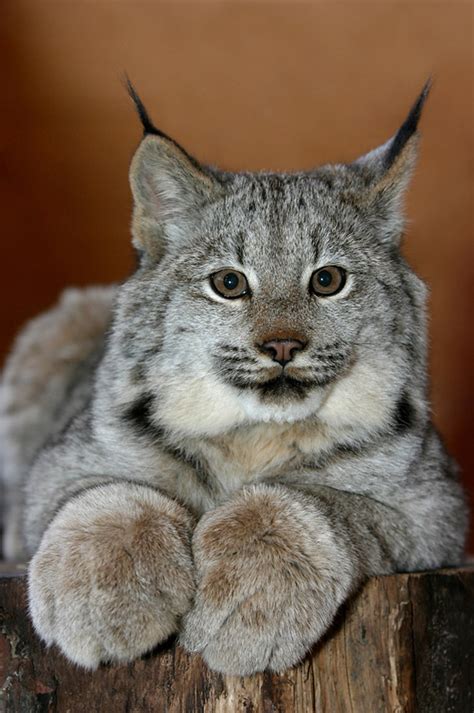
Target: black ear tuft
(409, 126)
(149, 129)
(148, 126)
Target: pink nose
(282, 350)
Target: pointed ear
(387, 172)
(169, 188)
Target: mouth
(285, 386)
(282, 385)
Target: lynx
(228, 444)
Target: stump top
(404, 644)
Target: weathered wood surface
(405, 644)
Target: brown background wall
(262, 85)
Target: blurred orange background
(261, 85)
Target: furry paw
(113, 574)
(266, 590)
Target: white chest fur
(253, 452)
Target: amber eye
(328, 280)
(230, 283)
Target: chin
(282, 406)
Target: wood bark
(404, 644)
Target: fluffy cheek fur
(112, 575)
(271, 576)
(363, 399)
(203, 406)
(200, 405)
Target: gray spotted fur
(182, 403)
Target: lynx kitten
(228, 444)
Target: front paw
(113, 574)
(268, 585)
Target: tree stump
(404, 644)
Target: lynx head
(270, 297)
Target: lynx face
(265, 297)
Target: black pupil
(231, 281)
(324, 278)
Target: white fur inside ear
(152, 177)
(169, 189)
(388, 185)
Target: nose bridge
(282, 293)
(279, 324)
(277, 313)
